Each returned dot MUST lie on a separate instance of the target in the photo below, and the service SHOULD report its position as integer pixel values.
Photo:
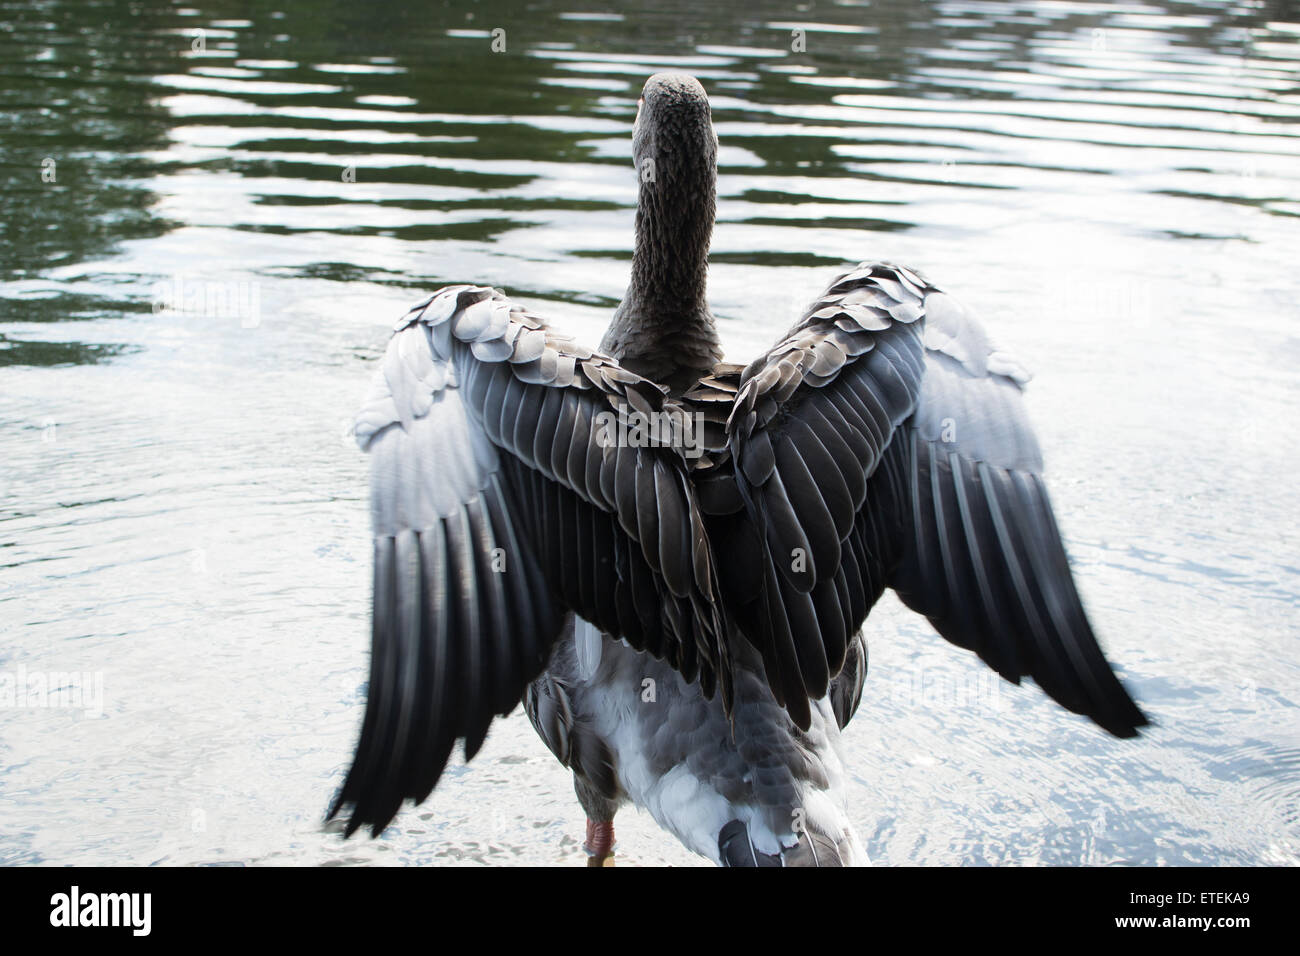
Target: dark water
(204, 238)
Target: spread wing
(502, 498)
(882, 443)
(983, 558)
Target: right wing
(883, 443)
(983, 558)
(501, 500)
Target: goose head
(664, 329)
(676, 154)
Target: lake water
(208, 225)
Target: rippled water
(1114, 187)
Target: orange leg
(600, 842)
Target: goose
(669, 558)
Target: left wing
(501, 502)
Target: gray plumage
(685, 618)
(632, 730)
(663, 329)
